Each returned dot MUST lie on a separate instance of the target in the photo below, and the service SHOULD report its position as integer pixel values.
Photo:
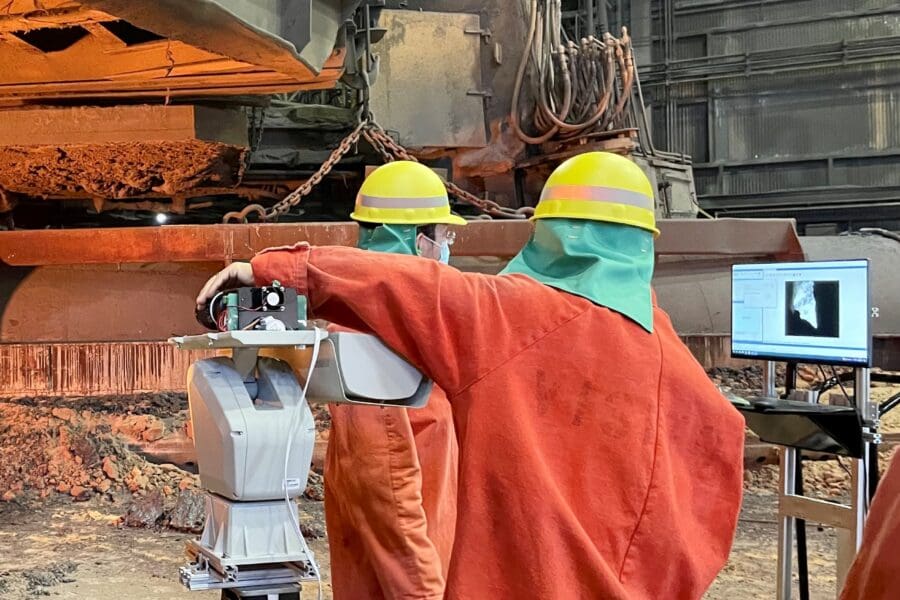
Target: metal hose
(572, 85)
(520, 76)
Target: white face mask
(445, 253)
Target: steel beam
(813, 198)
(776, 238)
(123, 368)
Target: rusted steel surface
(165, 48)
(126, 368)
(713, 351)
(202, 243)
(119, 294)
(100, 303)
(188, 243)
(731, 237)
(89, 369)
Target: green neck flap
(394, 239)
(609, 264)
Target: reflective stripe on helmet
(597, 194)
(383, 202)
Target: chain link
(379, 138)
(389, 150)
(295, 197)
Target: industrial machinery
(269, 308)
(263, 106)
(254, 432)
(174, 112)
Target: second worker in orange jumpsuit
(597, 460)
(390, 473)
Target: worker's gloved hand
(234, 275)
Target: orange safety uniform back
(597, 459)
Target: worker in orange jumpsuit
(875, 574)
(390, 473)
(597, 460)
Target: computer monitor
(813, 312)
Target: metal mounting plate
(249, 339)
(198, 576)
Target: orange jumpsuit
(390, 495)
(875, 574)
(596, 460)
(390, 500)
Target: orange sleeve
(876, 571)
(456, 327)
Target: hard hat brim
(581, 217)
(445, 220)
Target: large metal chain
(295, 197)
(389, 150)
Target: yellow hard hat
(599, 186)
(404, 193)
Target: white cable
(292, 509)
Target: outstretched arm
(455, 327)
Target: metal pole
(769, 383)
(790, 385)
(603, 16)
(850, 540)
(869, 413)
(867, 410)
(786, 526)
(589, 24)
(800, 527)
(788, 476)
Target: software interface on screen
(807, 312)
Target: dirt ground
(66, 549)
(86, 511)
(73, 550)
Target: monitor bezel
(808, 360)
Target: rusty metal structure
(135, 287)
(131, 114)
(146, 106)
(77, 150)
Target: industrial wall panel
(823, 80)
(875, 171)
(804, 124)
(690, 46)
(735, 15)
(689, 91)
(756, 179)
(808, 127)
(804, 34)
(429, 86)
(706, 181)
(691, 132)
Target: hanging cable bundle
(576, 89)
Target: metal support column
(786, 482)
(850, 540)
(589, 21)
(847, 520)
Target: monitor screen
(816, 312)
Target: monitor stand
(795, 509)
